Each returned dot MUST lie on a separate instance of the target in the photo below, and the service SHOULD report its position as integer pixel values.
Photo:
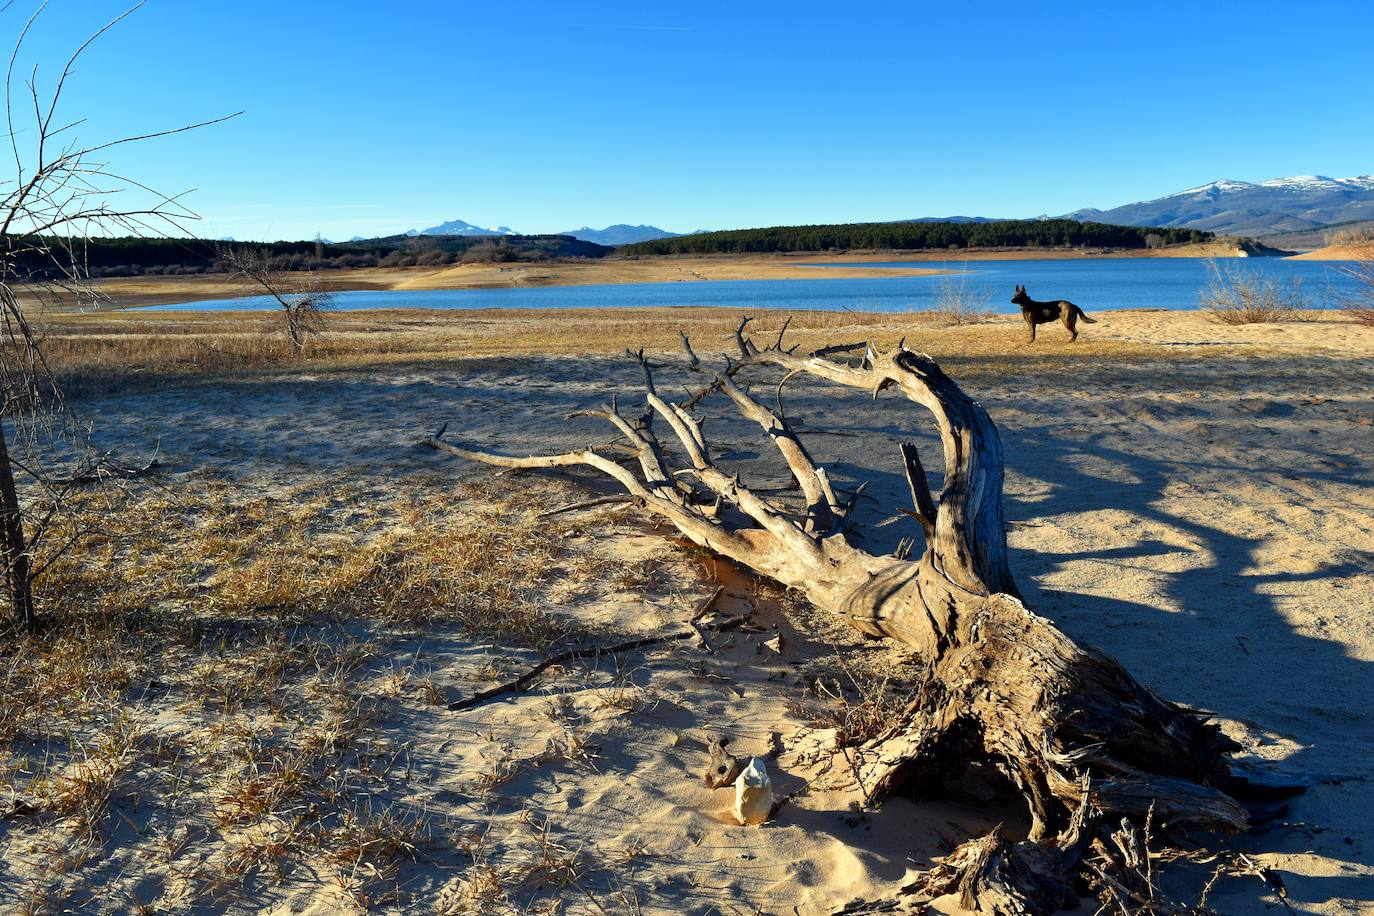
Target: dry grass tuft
(368, 847)
(502, 871)
(866, 709)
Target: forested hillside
(919, 235)
(134, 256)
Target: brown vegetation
(1236, 296)
(1360, 305)
(264, 620)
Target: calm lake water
(1172, 283)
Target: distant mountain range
(1300, 204)
(620, 234)
(1228, 207)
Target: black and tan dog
(1044, 312)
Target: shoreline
(135, 292)
(1356, 251)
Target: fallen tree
(1091, 750)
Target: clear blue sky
(366, 118)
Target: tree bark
(18, 583)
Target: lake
(1109, 283)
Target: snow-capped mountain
(1230, 207)
(462, 227)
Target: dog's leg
(1030, 324)
(1071, 322)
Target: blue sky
(370, 118)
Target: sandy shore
(1357, 252)
(139, 291)
(1193, 498)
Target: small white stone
(753, 793)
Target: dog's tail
(1084, 315)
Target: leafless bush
(958, 303)
(1235, 296)
(433, 259)
(397, 259)
(1363, 235)
(487, 253)
(1360, 304)
(302, 300)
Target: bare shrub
(1361, 235)
(1360, 304)
(1235, 296)
(959, 303)
(487, 253)
(433, 259)
(302, 300)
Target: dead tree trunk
(13, 544)
(1082, 741)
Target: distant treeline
(133, 257)
(1021, 233)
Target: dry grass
(860, 706)
(1235, 296)
(502, 869)
(223, 556)
(262, 621)
(114, 352)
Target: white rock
(753, 793)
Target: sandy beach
(1193, 498)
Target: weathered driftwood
(1082, 740)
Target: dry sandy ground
(1202, 509)
(1351, 252)
(138, 291)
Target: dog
(1045, 312)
